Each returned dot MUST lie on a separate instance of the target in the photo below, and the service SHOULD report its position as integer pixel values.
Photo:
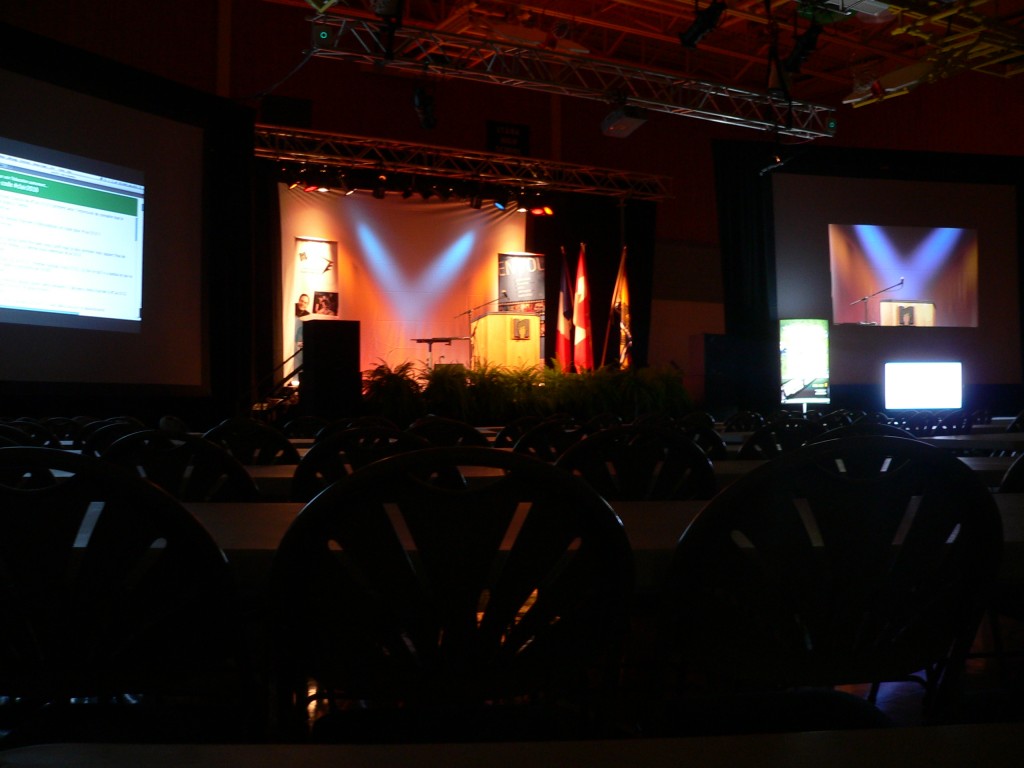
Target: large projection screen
(153, 335)
(977, 220)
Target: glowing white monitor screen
(919, 385)
(803, 360)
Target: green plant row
(492, 394)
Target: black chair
(339, 455)
(778, 437)
(97, 436)
(511, 432)
(863, 428)
(408, 610)
(859, 560)
(642, 463)
(744, 421)
(709, 440)
(253, 442)
(119, 615)
(66, 430)
(921, 423)
(189, 467)
(549, 439)
(445, 431)
(36, 432)
(307, 426)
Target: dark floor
(993, 681)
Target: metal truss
(537, 68)
(355, 152)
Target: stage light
(476, 201)
(381, 187)
(295, 178)
(804, 47)
(705, 20)
(542, 210)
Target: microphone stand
(892, 287)
(469, 319)
(471, 310)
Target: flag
(583, 347)
(563, 334)
(620, 307)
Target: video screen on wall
(910, 270)
(71, 242)
(907, 276)
(101, 241)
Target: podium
(895, 312)
(510, 339)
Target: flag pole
(612, 312)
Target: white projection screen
(102, 230)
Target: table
(978, 441)
(990, 745)
(437, 340)
(275, 480)
(250, 533)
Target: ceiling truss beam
(423, 51)
(355, 152)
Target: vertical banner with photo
(315, 283)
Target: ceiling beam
(411, 48)
(357, 152)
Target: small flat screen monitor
(923, 385)
(803, 360)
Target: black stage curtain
(743, 199)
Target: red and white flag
(583, 346)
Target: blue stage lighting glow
(923, 262)
(416, 294)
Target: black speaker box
(331, 384)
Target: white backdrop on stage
(404, 268)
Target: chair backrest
(109, 586)
(97, 436)
(442, 430)
(1013, 479)
(342, 453)
(189, 467)
(253, 442)
(744, 421)
(393, 588)
(27, 431)
(642, 463)
(856, 560)
(511, 432)
(778, 437)
(863, 428)
(550, 438)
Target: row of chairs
(648, 459)
(406, 604)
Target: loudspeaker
(331, 384)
